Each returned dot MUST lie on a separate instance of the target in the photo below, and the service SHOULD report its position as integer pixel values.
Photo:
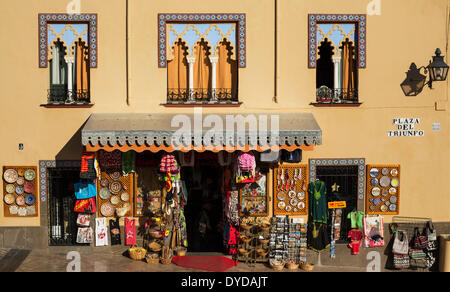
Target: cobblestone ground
(114, 259)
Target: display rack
(126, 182)
(383, 189)
(16, 188)
(279, 239)
(253, 243)
(290, 190)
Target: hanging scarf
(128, 162)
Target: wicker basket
(137, 253)
(154, 246)
(156, 234)
(292, 266)
(277, 267)
(245, 239)
(261, 252)
(152, 259)
(166, 261)
(246, 227)
(307, 267)
(181, 252)
(244, 252)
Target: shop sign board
(337, 205)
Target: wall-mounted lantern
(415, 81)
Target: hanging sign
(337, 205)
(406, 127)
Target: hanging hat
(168, 164)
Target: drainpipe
(275, 85)
(126, 49)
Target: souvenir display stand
(297, 244)
(19, 191)
(116, 193)
(253, 196)
(279, 240)
(383, 189)
(253, 244)
(290, 190)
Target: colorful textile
(85, 206)
(130, 231)
(84, 235)
(318, 207)
(355, 235)
(355, 247)
(373, 231)
(88, 166)
(114, 230)
(168, 164)
(356, 219)
(318, 237)
(101, 232)
(85, 190)
(128, 162)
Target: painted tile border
(361, 35)
(360, 162)
(44, 165)
(90, 18)
(239, 18)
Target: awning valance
(212, 132)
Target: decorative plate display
(20, 181)
(127, 206)
(115, 187)
(374, 181)
(13, 210)
(115, 175)
(387, 203)
(281, 205)
(394, 172)
(301, 195)
(384, 192)
(30, 174)
(288, 209)
(9, 199)
(393, 199)
(29, 187)
(22, 212)
(383, 208)
(376, 192)
(19, 190)
(104, 194)
(301, 205)
(21, 172)
(30, 199)
(395, 182)
(293, 202)
(374, 172)
(125, 197)
(115, 200)
(292, 194)
(281, 196)
(107, 209)
(385, 181)
(377, 202)
(10, 188)
(10, 176)
(31, 210)
(104, 182)
(20, 201)
(393, 207)
(392, 191)
(385, 171)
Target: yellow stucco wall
(406, 31)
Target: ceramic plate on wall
(374, 181)
(22, 212)
(281, 196)
(376, 192)
(20, 201)
(292, 194)
(281, 205)
(384, 192)
(288, 208)
(125, 197)
(10, 188)
(395, 182)
(385, 181)
(392, 191)
(377, 202)
(393, 207)
(20, 181)
(30, 174)
(10, 176)
(107, 209)
(394, 172)
(9, 199)
(301, 195)
(13, 210)
(115, 175)
(115, 187)
(19, 190)
(383, 208)
(115, 200)
(374, 172)
(301, 205)
(104, 182)
(393, 199)
(104, 194)
(30, 199)
(385, 171)
(29, 187)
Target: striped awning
(212, 132)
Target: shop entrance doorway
(203, 211)
(342, 185)
(62, 227)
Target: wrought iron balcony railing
(340, 95)
(199, 95)
(65, 96)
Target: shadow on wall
(73, 148)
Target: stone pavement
(114, 259)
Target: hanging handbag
(401, 261)
(291, 157)
(417, 258)
(420, 241)
(431, 236)
(85, 206)
(430, 259)
(83, 220)
(400, 246)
